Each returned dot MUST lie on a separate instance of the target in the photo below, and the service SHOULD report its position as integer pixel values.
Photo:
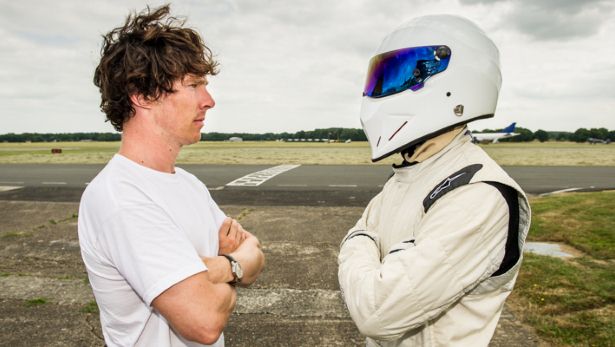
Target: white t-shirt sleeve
(219, 216)
(148, 249)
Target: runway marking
(216, 188)
(257, 178)
(343, 185)
(560, 191)
(7, 188)
(54, 183)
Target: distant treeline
(580, 135)
(63, 137)
(337, 134)
(331, 134)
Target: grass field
(571, 302)
(535, 153)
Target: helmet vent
(378, 143)
(398, 129)
(458, 110)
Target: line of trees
(580, 135)
(61, 137)
(337, 134)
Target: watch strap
(234, 263)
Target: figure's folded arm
(460, 243)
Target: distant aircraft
(594, 141)
(494, 137)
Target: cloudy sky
(300, 65)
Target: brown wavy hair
(145, 56)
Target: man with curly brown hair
(163, 260)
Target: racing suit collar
(432, 146)
(431, 150)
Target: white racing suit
(437, 252)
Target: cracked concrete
(45, 299)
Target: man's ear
(140, 101)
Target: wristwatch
(235, 269)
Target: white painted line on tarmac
(343, 185)
(7, 188)
(216, 188)
(257, 178)
(560, 191)
(54, 183)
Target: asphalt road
(344, 185)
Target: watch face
(238, 271)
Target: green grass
(15, 234)
(36, 302)
(90, 307)
(306, 153)
(585, 221)
(571, 302)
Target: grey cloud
(558, 5)
(554, 19)
(589, 88)
(288, 66)
(473, 2)
(552, 23)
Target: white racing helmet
(427, 77)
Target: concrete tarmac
(300, 217)
(45, 299)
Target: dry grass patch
(306, 153)
(551, 154)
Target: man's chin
(196, 139)
(191, 141)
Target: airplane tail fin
(510, 128)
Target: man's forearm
(252, 264)
(197, 308)
(218, 269)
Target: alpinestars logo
(444, 185)
(455, 180)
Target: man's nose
(207, 101)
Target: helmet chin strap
(409, 153)
(406, 156)
(425, 150)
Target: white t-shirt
(141, 231)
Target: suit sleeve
(460, 242)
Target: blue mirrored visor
(407, 68)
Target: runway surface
(345, 185)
